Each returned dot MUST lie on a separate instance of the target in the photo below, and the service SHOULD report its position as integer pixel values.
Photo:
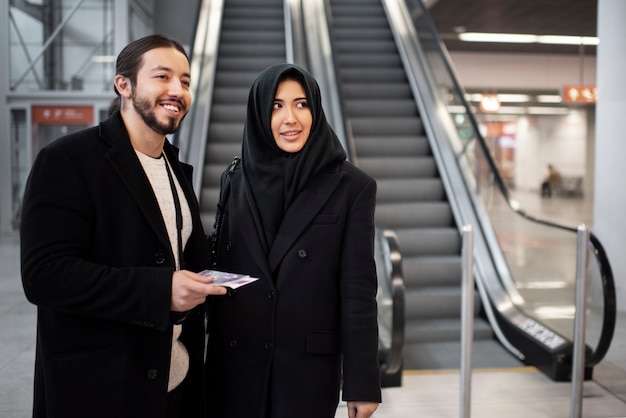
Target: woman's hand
(358, 409)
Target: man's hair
(131, 57)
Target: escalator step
(387, 126)
(425, 271)
(392, 146)
(420, 242)
(410, 190)
(399, 167)
(414, 214)
(378, 107)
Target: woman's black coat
(97, 262)
(285, 339)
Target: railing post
(467, 312)
(578, 362)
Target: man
(550, 182)
(110, 235)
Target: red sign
(63, 115)
(580, 94)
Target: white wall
(522, 71)
(557, 140)
(565, 141)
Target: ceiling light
(518, 38)
(567, 40)
(474, 97)
(456, 109)
(512, 110)
(549, 98)
(533, 110)
(490, 103)
(497, 37)
(513, 98)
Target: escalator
(250, 35)
(435, 174)
(252, 38)
(391, 145)
(392, 73)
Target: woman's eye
(302, 104)
(277, 105)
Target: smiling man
(110, 240)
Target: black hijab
(273, 177)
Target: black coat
(97, 262)
(283, 339)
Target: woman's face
(291, 117)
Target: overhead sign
(579, 94)
(63, 115)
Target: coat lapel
(302, 212)
(125, 163)
(249, 235)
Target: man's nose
(175, 87)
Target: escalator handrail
(607, 279)
(610, 303)
(396, 280)
(609, 314)
(191, 137)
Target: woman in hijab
(300, 218)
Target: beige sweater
(157, 174)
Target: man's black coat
(97, 262)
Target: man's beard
(144, 108)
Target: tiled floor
(519, 392)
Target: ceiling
(540, 17)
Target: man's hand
(190, 289)
(361, 409)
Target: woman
(301, 219)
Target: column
(5, 142)
(609, 218)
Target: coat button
(151, 374)
(301, 253)
(271, 295)
(231, 292)
(232, 343)
(228, 246)
(268, 345)
(213, 258)
(159, 258)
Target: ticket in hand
(232, 280)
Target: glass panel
(61, 45)
(542, 288)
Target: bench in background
(570, 186)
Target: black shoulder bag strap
(224, 189)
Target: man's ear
(123, 86)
